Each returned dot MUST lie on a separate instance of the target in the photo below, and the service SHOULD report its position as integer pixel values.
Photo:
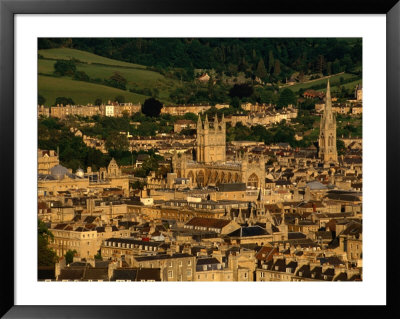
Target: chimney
(59, 266)
(111, 267)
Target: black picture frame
(8, 10)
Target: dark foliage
(152, 107)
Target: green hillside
(83, 56)
(97, 67)
(81, 92)
(334, 80)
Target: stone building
(211, 166)
(327, 135)
(46, 161)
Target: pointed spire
(206, 125)
(199, 124)
(328, 99)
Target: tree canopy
(46, 256)
(152, 107)
(64, 67)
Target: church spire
(327, 135)
(328, 99)
(216, 122)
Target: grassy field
(81, 92)
(136, 75)
(333, 79)
(68, 54)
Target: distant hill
(68, 54)
(81, 92)
(139, 78)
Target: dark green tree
(285, 98)
(261, 72)
(117, 81)
(69, 256)
(63, 68)
(98, 102)
(152, 107)
(117, 142)
(340, 146)
(46, 256)
(277, 67)
(81, 76)
(119, 99)
(241, 90)
(61, 100)
(271, 61)
(41, 100)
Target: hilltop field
(138, 78)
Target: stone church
(210, 167)
(327, 135)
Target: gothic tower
(327, 134)
(211, 141)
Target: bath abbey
(210, 167)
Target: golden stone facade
(211, 166)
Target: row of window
(125, 245)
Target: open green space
(334, 80)
(138, 78)
(81, 92)
(83, 56)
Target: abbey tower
(327, 134)
(211, 141)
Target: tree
(69, 256)
(120, 99)
(340, 146)
(286, 98)
(46, 256)
(152, 107)
(261, 72)
(270, 61)
(61, 100)
(81, 76)
(98, 255)
(117, 142)
(277, 67)
(241, 90)
(41, 100)
(63, 68)
(117, 81)
(98, 102)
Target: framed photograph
(159, 155)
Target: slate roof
(249, 232)
(164, 256)
(208, 222)
(136, 274)
(96, 274)
(296, 235)
(232, 187)
(71, 274)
